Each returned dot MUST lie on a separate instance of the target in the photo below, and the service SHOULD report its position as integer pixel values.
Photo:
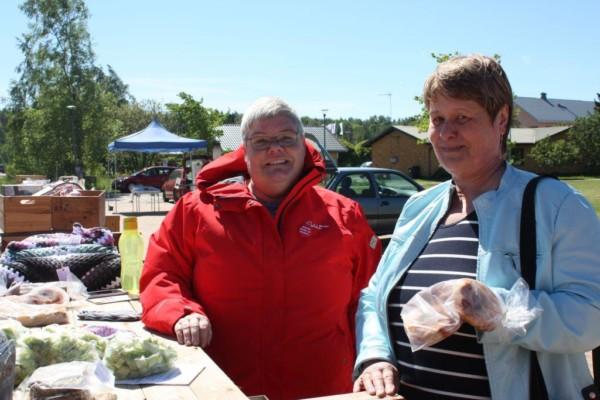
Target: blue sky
(338, 55)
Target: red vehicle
(150, 176)
(176, 185)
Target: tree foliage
(554, 154)
(585, 134)
(357, 153)
(191, 119)
(60, 105)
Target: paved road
(150, 215)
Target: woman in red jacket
(264, 272)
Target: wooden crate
(87, 209)
(113, 222)
(25, 214)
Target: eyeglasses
(286, 139)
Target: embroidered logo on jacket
(309, 227)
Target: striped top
(453, 368)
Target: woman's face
(466, 142)
(274, 169)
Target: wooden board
(87, 209)
(113, 222)
(25, 214)
(211, 383)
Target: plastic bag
(130, 356)
(56, 344)
(7, 366)
(437, 312)
(85, 380)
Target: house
(534, 112)
(232, 139)
(406, 149)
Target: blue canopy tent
(155, 139)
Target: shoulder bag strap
(528, 250)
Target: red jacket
(280, 292)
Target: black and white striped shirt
(453, 368)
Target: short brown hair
(474, 77)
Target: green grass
(586, 185)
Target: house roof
(232, 138)
(534, 135)
(517, 135)
(546, 110)
(406, 129)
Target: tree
(62, 102)
(192, 119)
(553, 154)
(357, 153)
(585, 134)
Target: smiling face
(275, 169)
(467, 143)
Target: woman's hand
(193, 330)
(477, 305)
(378, 379)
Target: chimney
(543, 96)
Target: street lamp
(71, 109)
(324, 111)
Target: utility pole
(324, 111)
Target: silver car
(381, 192)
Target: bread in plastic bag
(437, 312)
(73, 380)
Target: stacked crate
(22, 216)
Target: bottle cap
(130, 223)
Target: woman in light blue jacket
(467, 230)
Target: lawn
(588, 186)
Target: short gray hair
(269, 107)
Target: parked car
(381, 192)
(176, 185)
(149, 176)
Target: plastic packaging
(130, 356)
(7, 367)
(131, 248)
(437, 312)
(83, 380)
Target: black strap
(528, 250)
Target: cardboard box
(25, 214)
(87, 209)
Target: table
(154, 199)
(210, 384)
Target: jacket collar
(231, 165)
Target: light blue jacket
(567, 282)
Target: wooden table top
(210, 384)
